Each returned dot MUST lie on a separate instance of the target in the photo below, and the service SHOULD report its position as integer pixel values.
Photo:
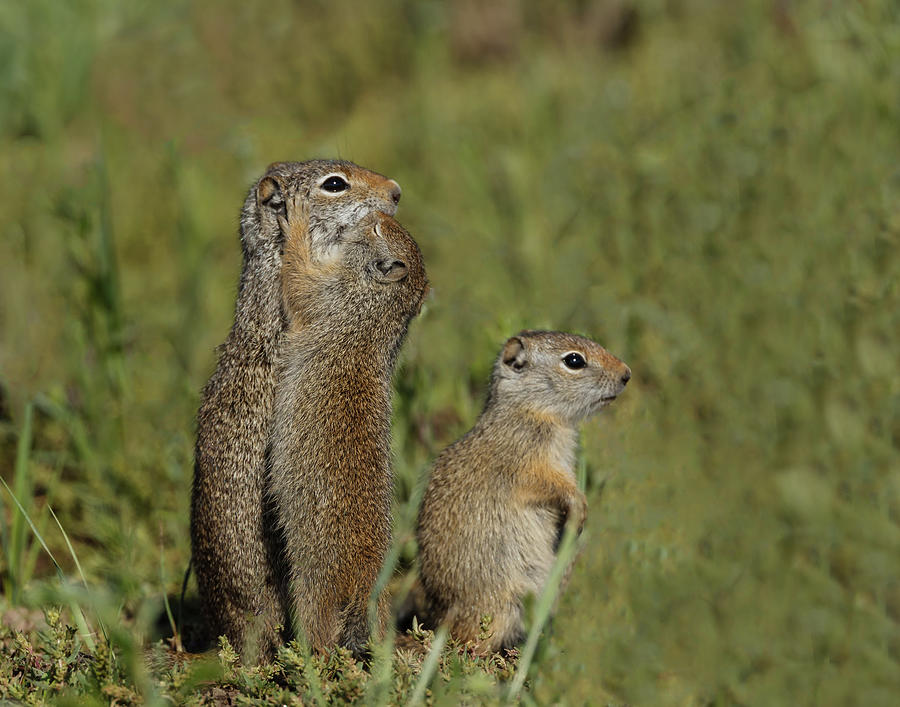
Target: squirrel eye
(574, 361)
(334, 184)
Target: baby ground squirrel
(234, 550)
(498, 498)
(330, 469)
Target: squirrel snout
(395, 191)
(626, 376)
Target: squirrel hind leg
(355, 629)
(507, 630)
(491, 628)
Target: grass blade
(393, 556)
(22, 489)
(77, 614)
(184, 584)
(309, 672)
(162, 583)
(34, 529)
(378, 691)
(83, 630)
(543, 608)
(69, 545)
(429, 667)
(87, 638)
(34, 549)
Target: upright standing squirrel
(498, 498)
(330, 468)
(233, 550)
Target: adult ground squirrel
(498, 498)
(233, 553)
(330, 470)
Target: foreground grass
(49, 663)
(715, 197)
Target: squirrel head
(372, 281)
(326, 196)
(382, 265)
(551, 373)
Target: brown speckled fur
(498, 498)
(235, 553)
(330, 468)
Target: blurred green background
(709, 189)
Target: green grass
(717, 202)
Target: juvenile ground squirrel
(498, 498)
(330, 469)
(233, 553)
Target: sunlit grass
(718, 203)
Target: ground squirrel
(498, 498)
(330, 470)
(233, 553)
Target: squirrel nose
(626, 376)
(395, 192)
(391, 270)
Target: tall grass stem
(543, 609)
(429, 667)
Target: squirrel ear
(513, 354)
(268, 194)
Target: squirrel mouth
(604, 400)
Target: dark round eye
(335, 184)
(574, 361)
